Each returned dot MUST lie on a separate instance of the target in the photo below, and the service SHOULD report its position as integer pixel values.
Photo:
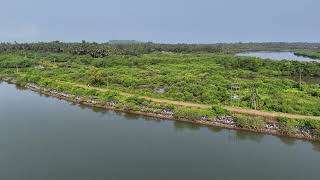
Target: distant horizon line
(155, 42)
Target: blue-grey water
(278, 56)
(43, 138)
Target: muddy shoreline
(217, 123)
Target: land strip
(196, 105)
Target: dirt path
(270, 114)
(189, 104)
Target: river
(44, 138)
(285, 56)
(278, 56)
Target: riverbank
(271, 126)
(310, 54)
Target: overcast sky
(168, 21)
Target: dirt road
(189, 104)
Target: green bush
(314, 123)
(192, 113)
(110, 96)
(200, 78)
(289, 126)
(91, 92)
(130, 107)
(135, 100)
(250, 122)
(22, 81)
(218, 109)
(289, 129)
(45, 83)
(316, 133)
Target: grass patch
(250, 122)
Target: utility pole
(107, 81)
(235, 91)
(254, 97)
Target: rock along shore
(228, 122)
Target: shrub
(218, 109)
(148, 110)
(289, 126)
(250, 122)
(192, 113)
(95, 76)
(314, 124)
(316, 133)
(21, 81)
(135, 100)
(289, 129)
(45, 83)
(110, 96)
(130, 107)
(91, 92)
(168, 106)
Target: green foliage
(158, 71)
(22, 81)
(129, 107)
(195, 73)
(111, 96)
(289, 126)
(309, 53)
(317, 133)
(249, 122)
(218, 109)
(311, 123)
(96, 50)
(95, 76)
(15, 61)
(192, 113)
(315, 124)
(135, 100)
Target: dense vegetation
(196, 77)
(203, 74)
(250, 122)
(309, 53)
(135, 48)
(290, 127)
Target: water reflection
(316, 146)
(243, 135)
(178, 125)
(215, 129)
(278, 56)
(21, 88)
(96, 142)
(232, 135)
(287, 141)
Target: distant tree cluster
(97, 50)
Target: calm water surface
(277, 56)
(42, 138)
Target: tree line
(138, 48)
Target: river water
(43, 138)
(278, 56)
